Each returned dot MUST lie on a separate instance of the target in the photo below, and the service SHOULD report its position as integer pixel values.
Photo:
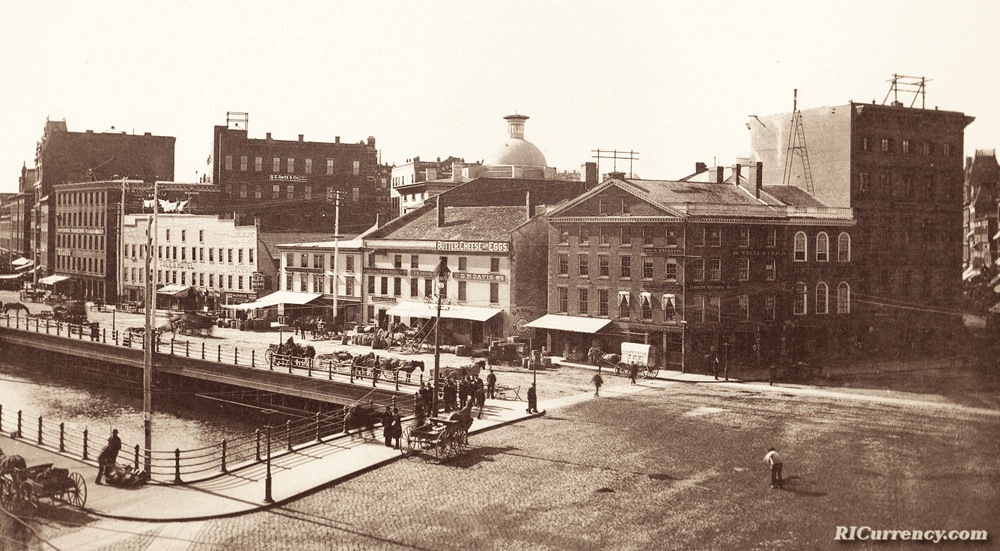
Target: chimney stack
(758, 178)
(737, 172)
(302, 137)
(268, 136)
(336, 139)
(700, 167)
(588, 173)
(720, 174)
(440, 212)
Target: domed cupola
(517, 151)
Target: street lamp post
(442, 277)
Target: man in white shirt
(773, 460)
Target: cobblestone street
(652, 466)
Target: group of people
(456, 394)
(392, 427)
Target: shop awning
(427, 310)
(969, 273)
(575, 324)
(20, 261)
(52, 279)
(173, 290)
(10, 276)
(275, 298)
(24, 267)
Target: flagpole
(150, 341)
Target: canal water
(86, 398)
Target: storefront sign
(663, 250)
(473, 246)
(385, 271)
(257, 281)
(383, 300)
(287, 178)
(469, 276)
(759, 252)
(710, 287)
(423, 273)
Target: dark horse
(406, 366)
(17, 307)
(359, 416)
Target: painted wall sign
(473, 246)
(470, 276)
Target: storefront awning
(52, 279)
(10, 276)
(24, 267)
(20, 261)
(173, 290)
(969, 273)
(276, 298)
(575, 324)
(427, 310)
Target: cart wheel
(8, 494)
(651, 372)
(621, 369)
(407, 448)
(76, 495)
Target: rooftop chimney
(758, 178)
(720, 174)
(588, 173)
(617, 175)
(700, 167)
(336, 139)
(737, 172)
(301, 137)
(440, 212)
(267, 136)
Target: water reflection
(100, 402)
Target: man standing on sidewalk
(773, 460)
(532, 399)
(109, 455)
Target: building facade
(698, 270)
(324, 270)
(293, 184)
(900, 170)
(982, 183)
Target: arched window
(822, 298)
(822, 247)
(801, 293)
(800, 247)
(844, 247)
(843, 298)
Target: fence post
(46, 326)
(253, 358)
(309, 367)
(256, 433)
(85, 433)
(329, 369)
(79, 329)
(288, 434)
(18, 423)
(220, 353)
(187, 349)
(114, 335)
(270, 362)
(62, 437)
(397, 380)
(177, 465)
(317, 426)
(224, 455)
(39, 430)
(1, 417)
(236, 356)
(137, 459)
(104, 336)
(267, 477)
(203, 350)
(171, 346)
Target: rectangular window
(329, 167)
(699, 237)
(291, 165)
(698, 269)
(603, 266)
(744, 237)
(771, 269)
(584, 235)
(602, 206)
(349, 264)
(584, 265)
(605, 236)
(582, 296)
(168, 235)
(275, 165)
(397, 286)
(602, 302)
(211, 256)
(625, 206)
(564, 236)
(494, 265)
(462, 290)
(562, 300)
(290, 191)
(357, 168)
(647, 268)
(494, 293)
(864, 182)
(715, 237)
(744, 269)
(772, 238)
(229, 281)
(463, 263)
(309, 166)
(276, 191)
(229, 162)
(647, 235)
(715, 269)
(714, 310)
(624, 306)
(428, 287)
(414, 261)
(414, 287)
(906, 146)
(626, 236)
(211, 280)
(384, 286)
(258, 163)
(243, 163)
(397, 261)
(743, 303)
(563, 264)
(250, 256)
(348, 285)
(769, 310)
(671, 271)
(308, 192)
(671, 236)
(626, 267)
(371, 285)
(696, 311)
(886, 145)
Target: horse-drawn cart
(22, 485)
(445, 438)
(640, 356)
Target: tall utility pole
(149, 344)
(121, 245)
(336, 253)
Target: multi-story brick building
(698, 268)
(312, 273)
(87, 227)
(900, 170)
(982, 191)
(292, 184)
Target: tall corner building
(901, 171)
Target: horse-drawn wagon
(641, 357)
(21, 485)
(445, 438)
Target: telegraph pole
(149, 343)
(336, 253)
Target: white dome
(516, 150)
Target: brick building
(982, 191)
(900, 169)
(292, 184)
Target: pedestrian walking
(771, 372)
(773, 460)
(109, 455)
(491, 385)
(480, 400)
(633, 370)
(532, 399)
(715, 365)
(387, 426)
(598, 381)
(397, 427)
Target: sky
(675, 82)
